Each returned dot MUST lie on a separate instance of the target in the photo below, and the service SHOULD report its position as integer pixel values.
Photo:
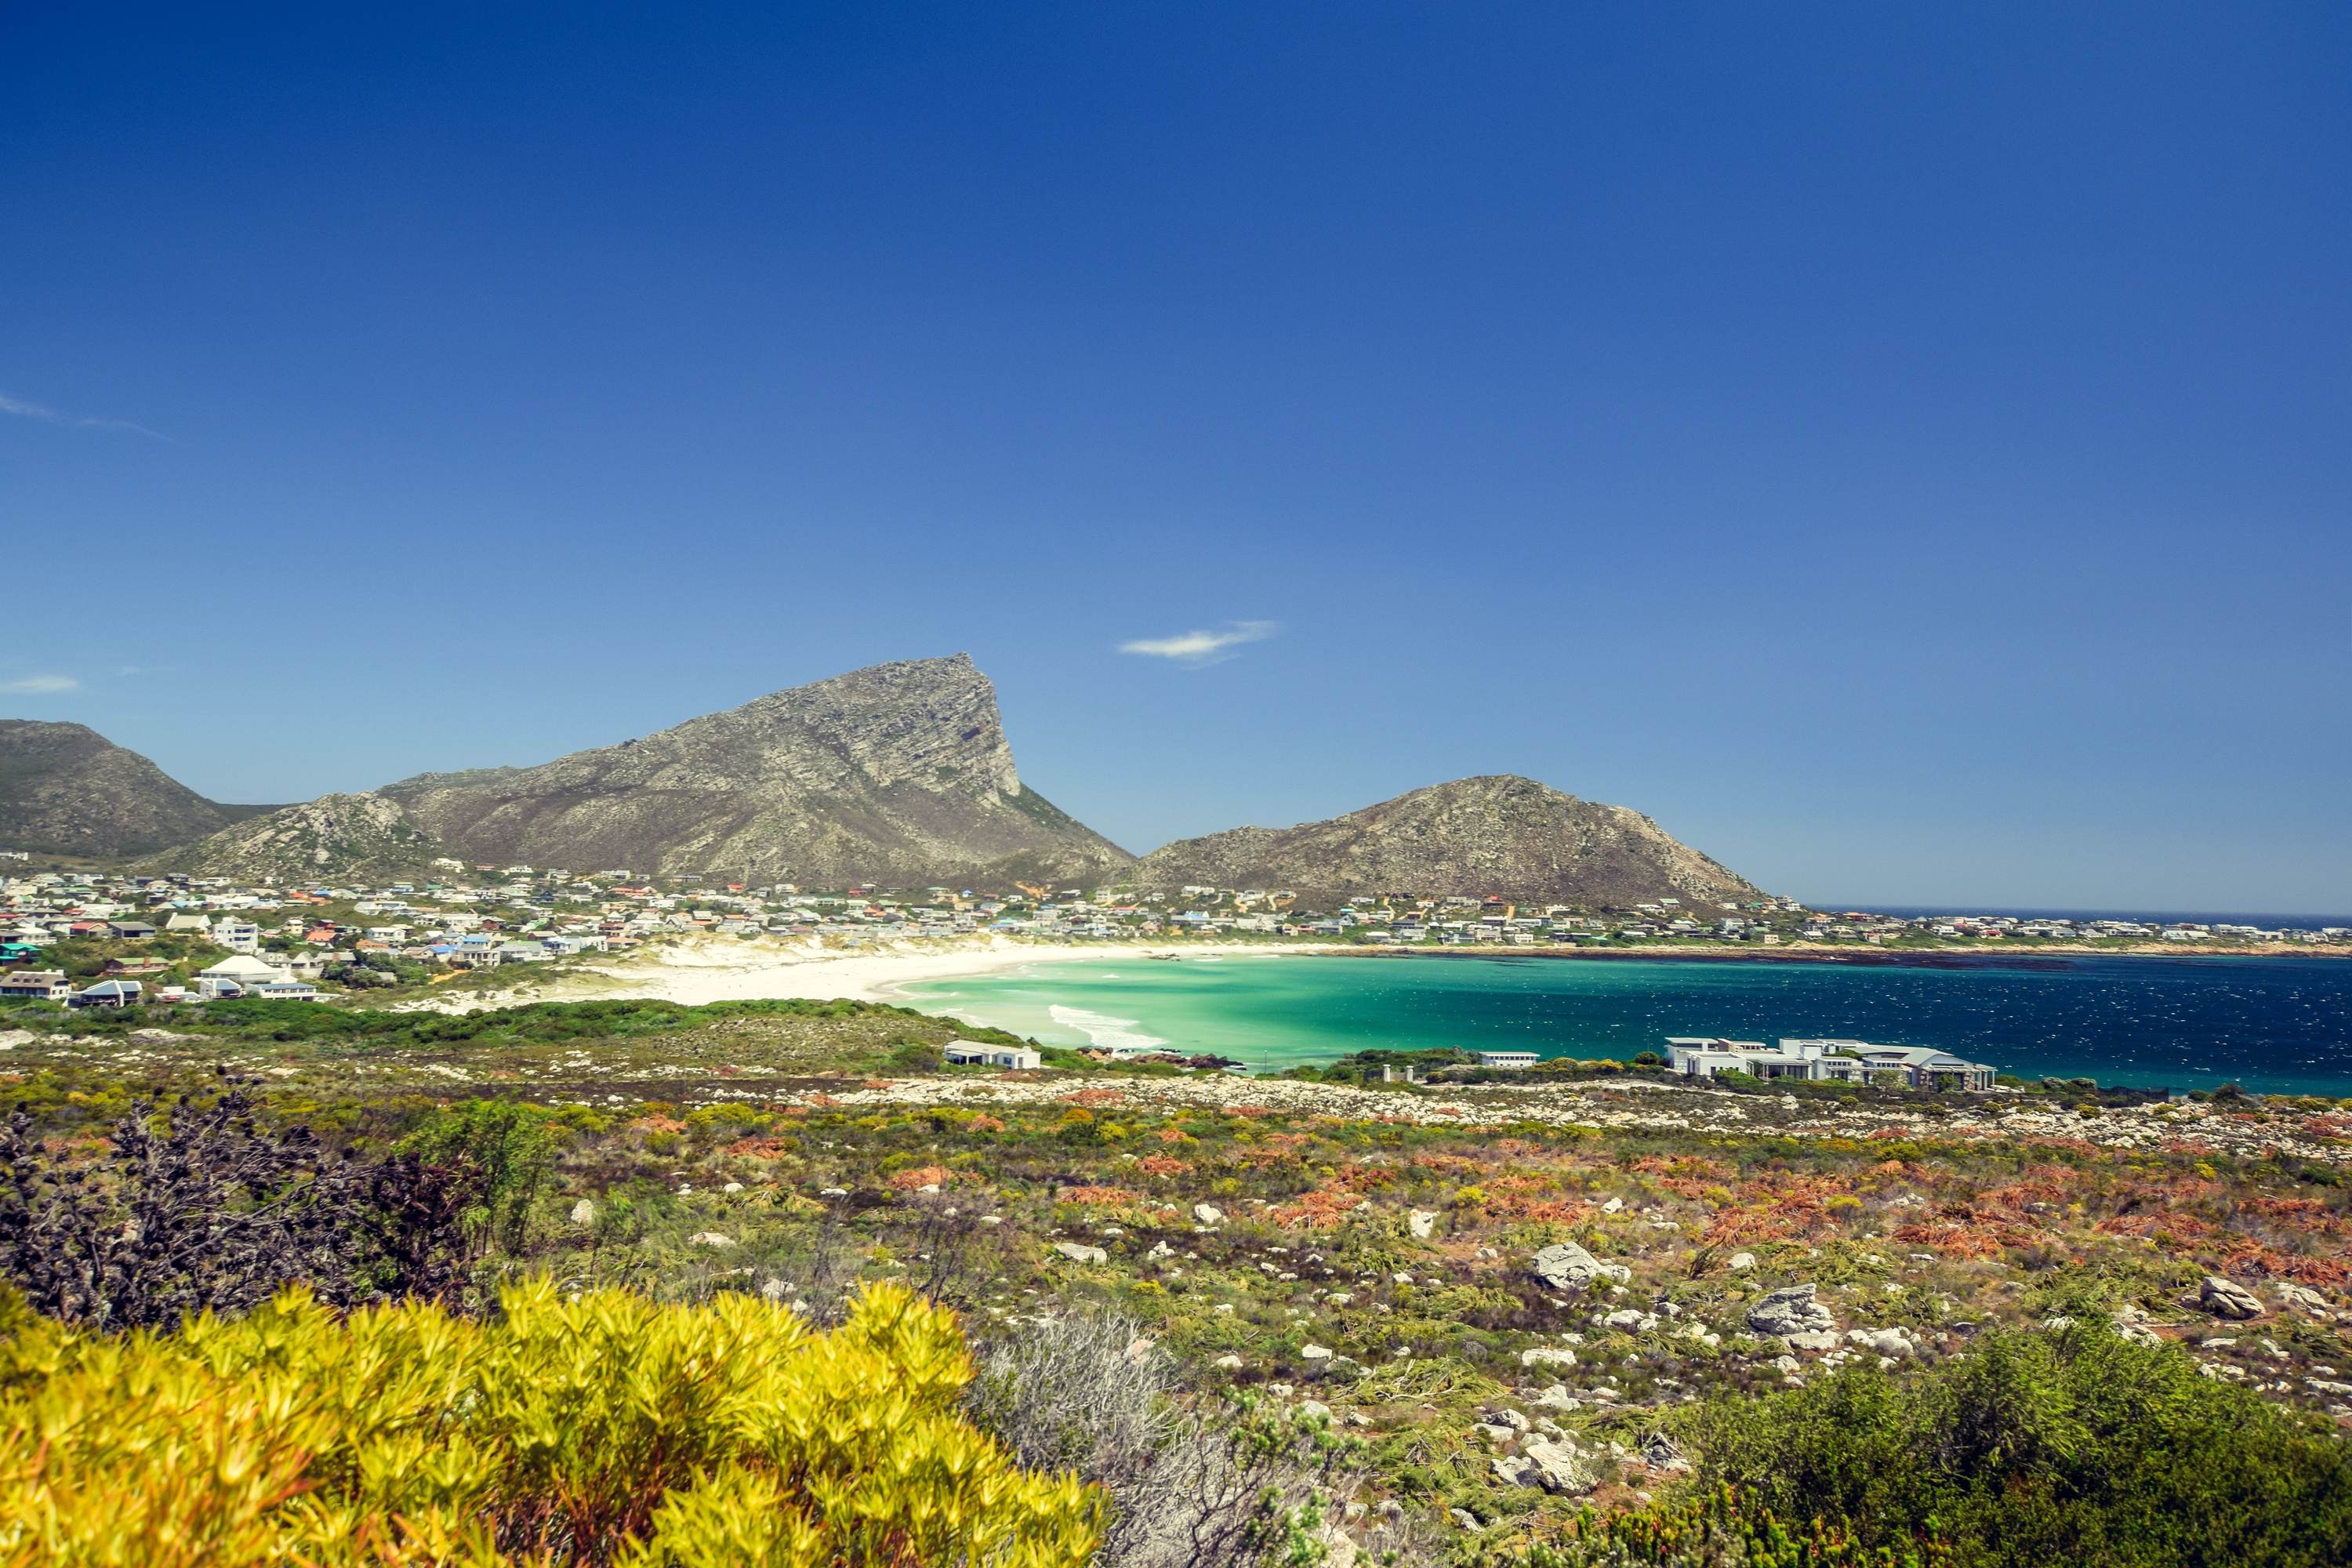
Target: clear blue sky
(1903, 449)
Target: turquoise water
(2279, 1024)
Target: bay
(2276, 1024)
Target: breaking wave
(1116, 1035)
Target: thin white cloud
(1204, 646)
(34, 685)
(24, 410)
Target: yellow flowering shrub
(603, 1428)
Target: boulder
(1314, 1352)
(1556, 1397)
(2302, 1296)
(1545, 1355)
(583, 1213)
(2228, 1298)
(1624, 1318)
(1561, 1467)
(1514, 1471)
(1078, 1253)
(1313, 1410)
(1789, 1312)
(1663, 1453)
(1742, 1261)
(1885, 1341)
(1229, 1363)
(1207, 1214)
(1564, 1266)
(1812, 1340)
(710, 1239)
(1423, 1222)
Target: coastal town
(301, 943)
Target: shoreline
(698, 971)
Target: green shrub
(2077, 1447)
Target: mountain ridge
(900, 773)
(1497, 832)
(64, 789)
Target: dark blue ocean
(2277, 1025)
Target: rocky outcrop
(899, 775)
(1791, 1313)
(334, 839)
(2228, 1298)
(64, 789)
(1564, 1266)
(1500, 835)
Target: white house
(972, 1053)
(1508, 1059)
(244, 970)
(37, 984)
(1830, 1060)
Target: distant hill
(362, 837)
(1500, 834)
(900, 775)
(64, 789)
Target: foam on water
(1115, 1035)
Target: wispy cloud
(34, 685)
(1204, 646)
(24, 410)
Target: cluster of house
(1813, 1060)
(1858, 927)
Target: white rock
(1564, 1266)
(1230, 1362)
(1544, 1356)
(1513, 1471)
(1207, 1214)
(1624, 1318)
(1078, 1253)
(732, 1187)
(1613, 1206)
(1314, 1410)
(1314, 1352)
(2228, 1298)
(710, 1239)
(1790, 1310)
(583, 1213)
(1423, 1221)
(1741, 1261)
(1561, 1467)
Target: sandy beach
(724, 969)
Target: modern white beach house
(1838, 1061)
